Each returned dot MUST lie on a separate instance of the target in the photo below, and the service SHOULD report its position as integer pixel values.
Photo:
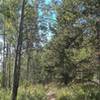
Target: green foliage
(5, 94)
(78, 92)
(32, 93)
(69, 56)
(29, 93)
(39, 92)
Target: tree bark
(98, 48)
(4, 63)
(18, 56)
(9, 66)
(29, 57)
(31, 38)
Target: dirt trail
(51, 95)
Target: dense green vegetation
(39, 92)
(49, 51)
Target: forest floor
(53, 92)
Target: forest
(49, 49)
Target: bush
(38, 92)
(5, 94)
(32, 93)
(78, 92)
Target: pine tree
(18, 56)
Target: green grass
(39, 92)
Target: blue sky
(50, 15)
(46, 1)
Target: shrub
(5, 94)
(78, 92)
(32, 93)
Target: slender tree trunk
(28, 61)
(98, 48)
(30, 41)
(4, 63)
(9, 74)
(9, 66)
(18, 56)
(37, 41)
(29, 55)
